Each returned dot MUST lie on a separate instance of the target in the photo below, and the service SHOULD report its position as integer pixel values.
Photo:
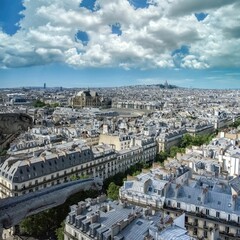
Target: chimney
(95, 217)
(204, 195)
(176, 190)
(115, 229)
(233, 202)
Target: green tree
(235, 124)
(161, 157)
(54, 105)
(39, 103)
(60, 232)
(112, 191)
(44, 224)
(136, 173)
(186, 141)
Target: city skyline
(107, 44)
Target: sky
(105, 43)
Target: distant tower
(166, 84)
(44, 85)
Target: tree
(136, 173)
(186, 141)
(39, 103)
(44, 224)
(60, 232)
(112, 191)
(161, 156)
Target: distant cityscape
(187, 141)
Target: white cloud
(149, 35)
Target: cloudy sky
(87, 43)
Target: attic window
(199, 199)
(139, 223)
(189, 196)
(21, 172)
(219, 203)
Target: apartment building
(167, 140)
(104, 220)
(28, 172)
(211, 205)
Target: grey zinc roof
(46, 163)
(107, 219)
(174, 233)
(214, 200)
(137, 229)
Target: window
(217, 214)
(196, 222)
(207, 211)
(178, 205)
(197, 209)
(169, 203)
(205, 234)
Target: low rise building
(102, 220)
(167, 140)
(211, 205)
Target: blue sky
(101, 43)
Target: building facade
(211, 205)
(20, 174)
(89, 98)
